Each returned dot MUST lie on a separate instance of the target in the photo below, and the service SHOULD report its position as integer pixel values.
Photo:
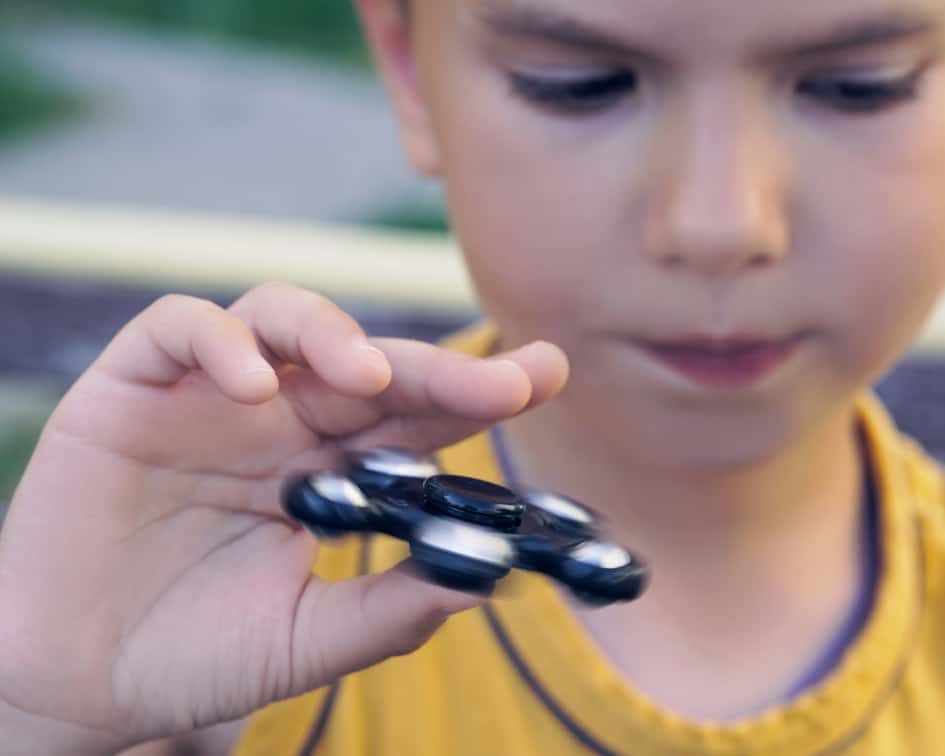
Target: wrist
(24, 734)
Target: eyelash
(576, 96)
(862, 95)
(588, 95)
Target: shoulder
(926, 476)
(909, 476)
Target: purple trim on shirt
(869, 576)
(869, 569)
(320, 725)
(577, 731)
(501, 449)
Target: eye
(577, 95)
(861, 94)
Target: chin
(721, 456)
(707, 437)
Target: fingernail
(257, 364)
(507, 363)
(371, 348)
(375, 355)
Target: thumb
(346, 626)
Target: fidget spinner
(466, 533)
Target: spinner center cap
(473, 500)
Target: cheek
(525, 271)
(888, 234)
(528, 227)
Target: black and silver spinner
(465, 532)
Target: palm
(211, 561)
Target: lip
(723, 363)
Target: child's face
(629, 171)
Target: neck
(764, 555)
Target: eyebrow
(521, 20)
(549, 25)
(896, 26)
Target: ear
(389, 31)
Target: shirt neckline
(570, 669)
(833, 652)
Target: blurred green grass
(29, 100)
(17, 441)
(327, 28)
(409, 217)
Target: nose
(719, 205)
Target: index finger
(437, 397)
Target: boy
(727, 215)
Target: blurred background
(198, 146)
(203, 146)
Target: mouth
(723, 363)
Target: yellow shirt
(522, 677)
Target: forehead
(685, 25)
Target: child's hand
(149, 581)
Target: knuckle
(184, 304)
(281, 293)
(273, 289)
(276, 297)
(318, 304)
(419, 633)
(422, 628)
(406, 646)
(328, 317)
(441, 611)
